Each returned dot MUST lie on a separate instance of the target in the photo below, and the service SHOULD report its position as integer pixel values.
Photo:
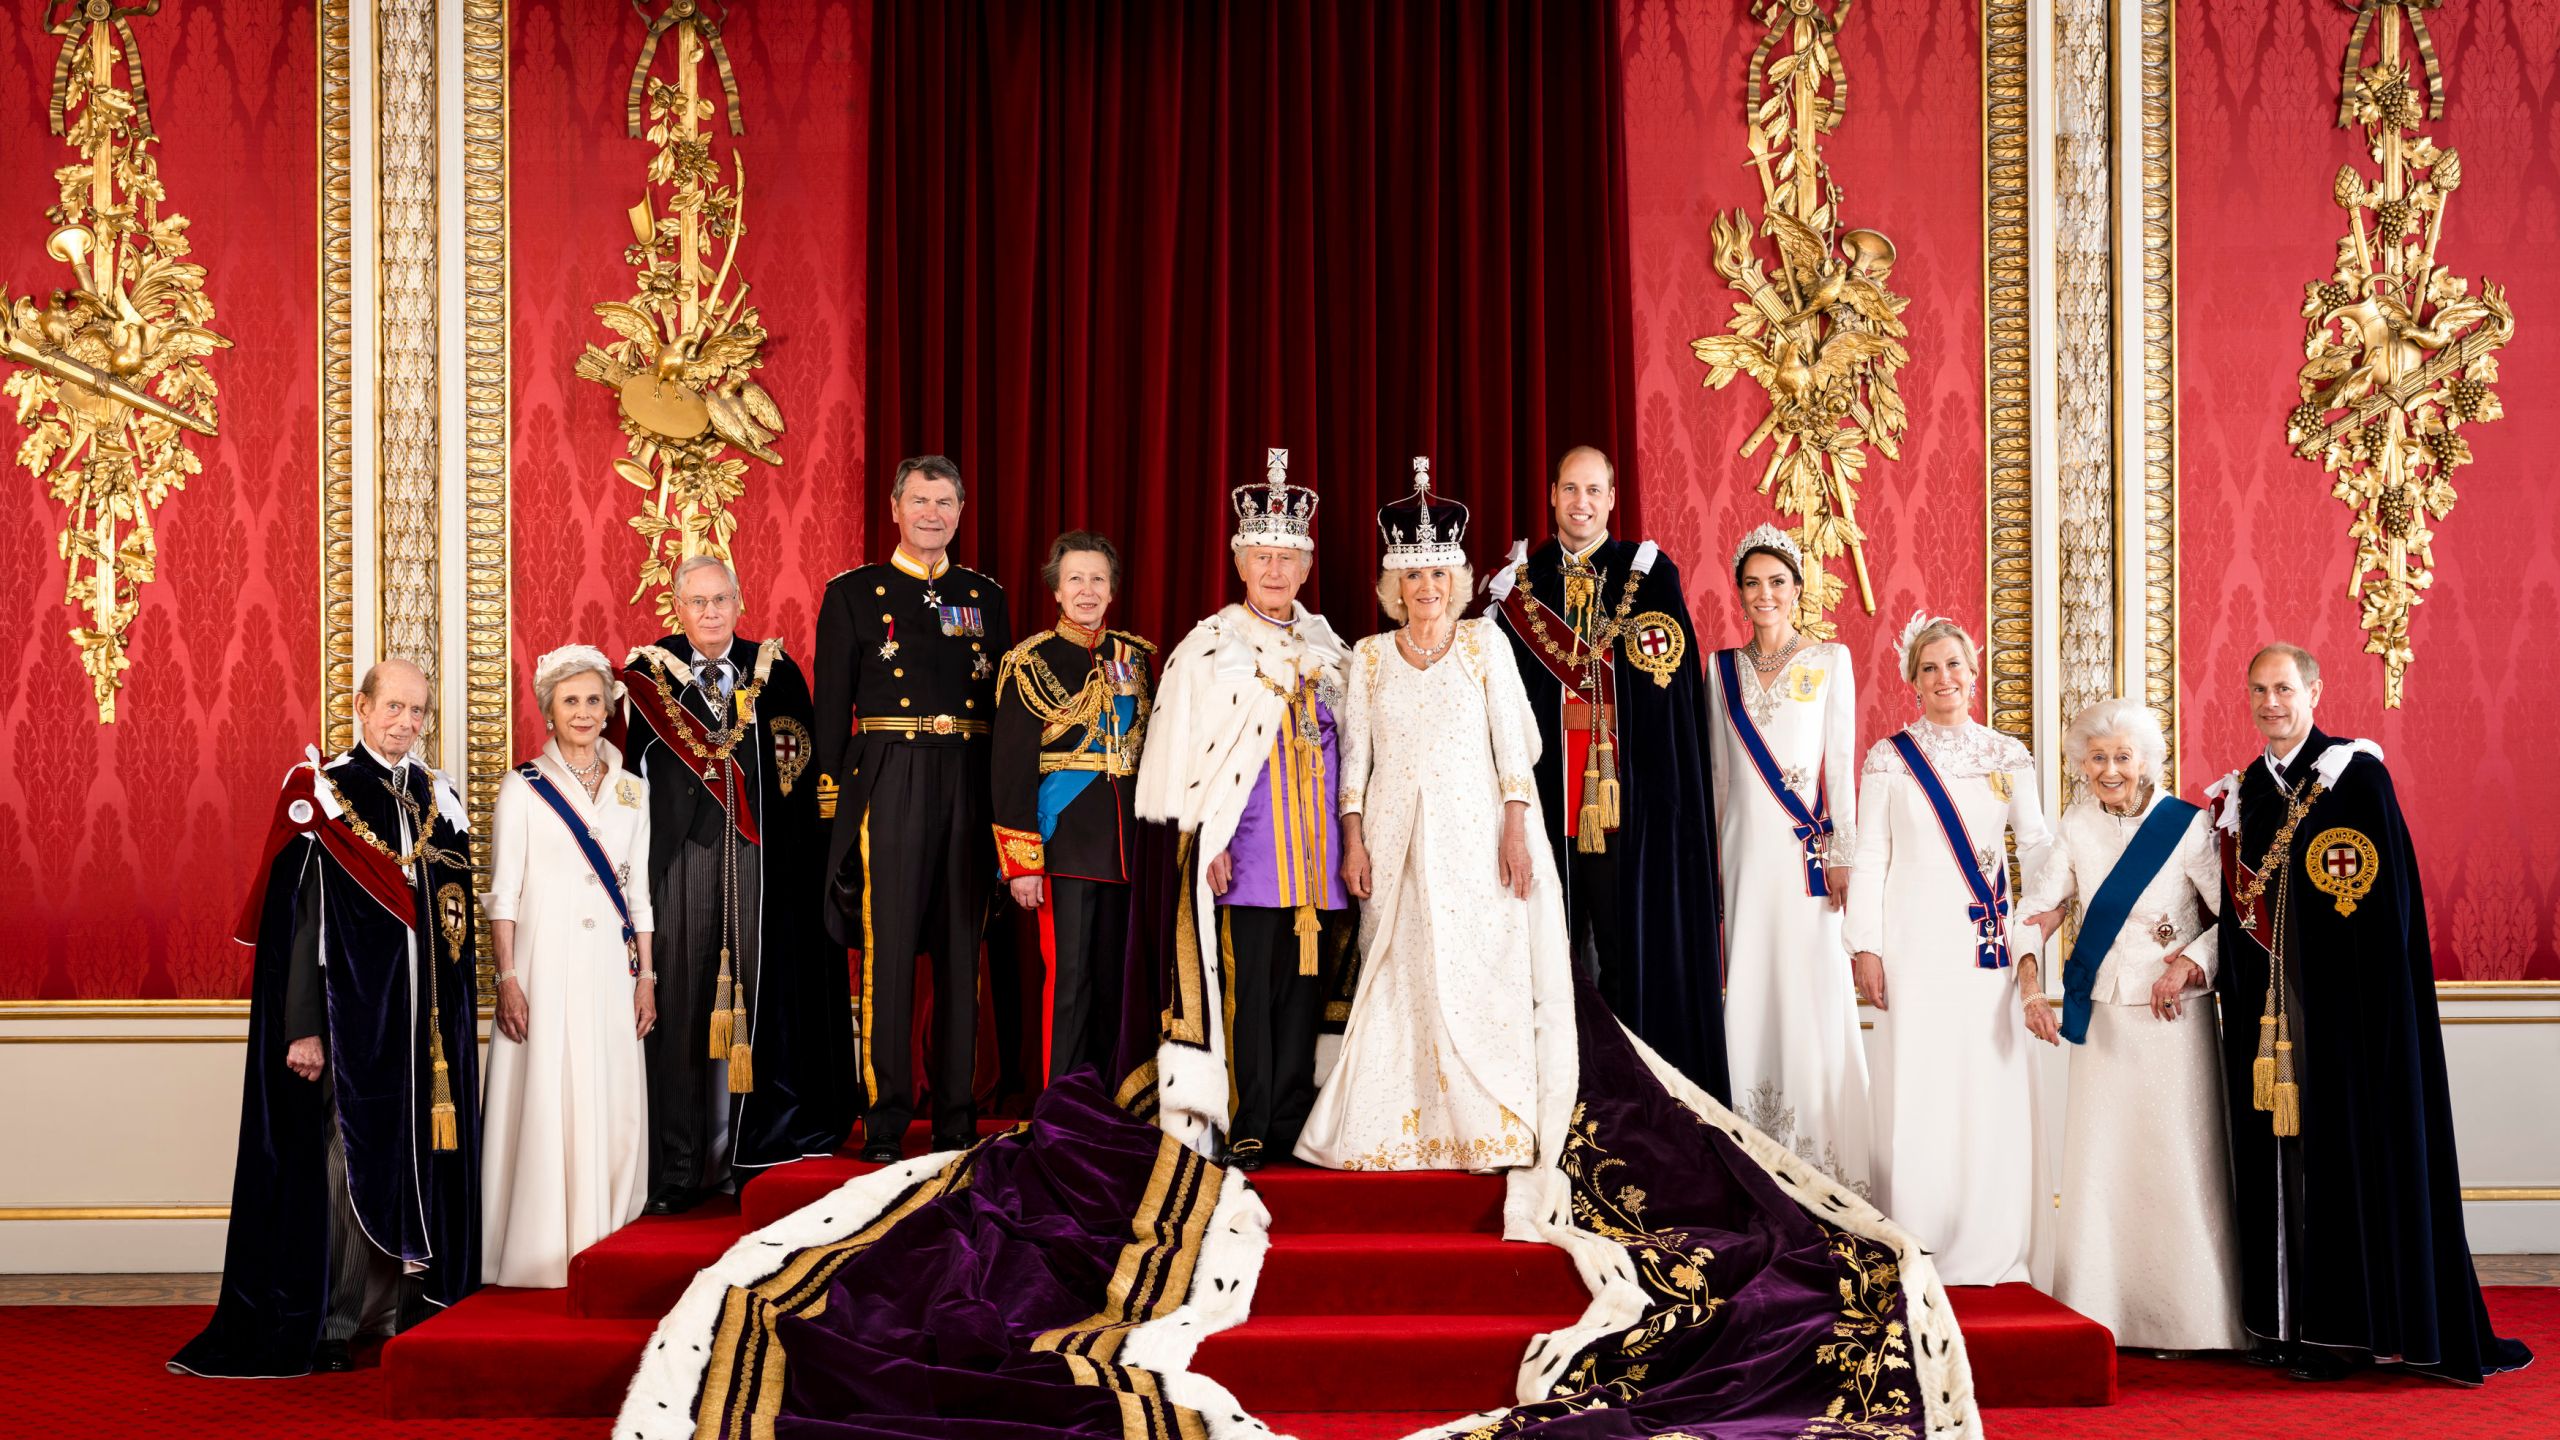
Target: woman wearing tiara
(1783, 727)
(1959, 1159)
(1463, 1022)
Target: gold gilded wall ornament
(111, 368)
(2399, 353)
(1817, 329)
(689, 343)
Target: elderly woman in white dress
(1782, 729)
(1957, 1157)
(1451, 1058)
(2145, 1245)
(565, 1149)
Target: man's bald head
(392, 706)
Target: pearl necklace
(1404, 637)
(590, 776)
(1771, 664)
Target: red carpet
(1382, 1293)
(96, 1371)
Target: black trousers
(1272, 1049)
(688, 1092)
(928, 859)
(1591, 895)
(1084, 934)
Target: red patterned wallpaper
(1908, 158)
(2262, 548)
(803, 67)
(224, 690)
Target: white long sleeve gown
(564, 1151)
(2145, 1244)
(1958, 1158)
(1465, 989)
(1791, 1004)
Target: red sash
(298, 812)
(2237, 877)
(1576, 737)
(688, 736)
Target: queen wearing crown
(1461, 1032)
(1783, 720)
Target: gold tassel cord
(2288, 1106)
(721, 1007)
(2262, 1071)
(1308, 927)
(444, 1128)
(1608, 752)
(742, 1062)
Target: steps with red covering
(1380, 1293)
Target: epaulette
(1139, 643)
(960, 569)
(1027, 646)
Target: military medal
(2165, 932)
(889, 646)
(983, 668)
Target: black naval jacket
(1044, 677)
(902, 660)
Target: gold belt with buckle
(921, 725)
(1087, 760)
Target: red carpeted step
(1452, 1363)
(1306, 1200)
(1385, 1274)
(2027, 1348)
(638, 1271)
(512, 1352)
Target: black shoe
(1245, 1155)
(880, 1152)
(674, 1200)
(331, 1358)
(2317, 1366)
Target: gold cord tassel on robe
(1606, 749)
(2288, 1097)
(2262, 1071)
(444, 1129)
(1308, 928)
(721, 1004)
(1590, 828)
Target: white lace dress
(2145, 1244)
(1958, 1158)
(1441, 1062)
(1791, 1006)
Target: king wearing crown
(1602, 636)
(1241, 760)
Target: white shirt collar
(2278, 764)
(1583, 555)
(700, 659)
(394, 766)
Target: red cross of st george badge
(1654, 641)
(2342, 861)
(786, 748)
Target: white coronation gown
(2145, 1245)
(1959, 1159)
(1792, 1045)
(1465, 990)
(564, 1151)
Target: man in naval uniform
(1241, 758)
(906, 690)
(1071, 721)
(2352, 1249)
(355, 1206)
(749, 1064)
(1601, 630)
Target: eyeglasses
(701, 603)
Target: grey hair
(691, 563)
(567, 663)
(2304, 661)
(931, 467)
(1930, 634)
(1462, 588)
(2119, 716)
(370, 688)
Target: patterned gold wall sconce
(1819, 331)
(689, 341)
(2401, 354)
(111, 369)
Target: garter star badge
(1655, 645)
(2342, 863)
(790, 751)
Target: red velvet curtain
(1117, 250)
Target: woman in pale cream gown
(1798, 1064)
(564, 1158)
(1465, 991)
(1958, 1159)
(2145, 1244)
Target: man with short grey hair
(748, 1064)
(906, 693)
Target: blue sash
(1989, 909)
(1813, 824)
(2150, 848)
(586, 839)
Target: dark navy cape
(1668, 881)
(417, 1203)
(803, 1102)
(2351, 1234)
